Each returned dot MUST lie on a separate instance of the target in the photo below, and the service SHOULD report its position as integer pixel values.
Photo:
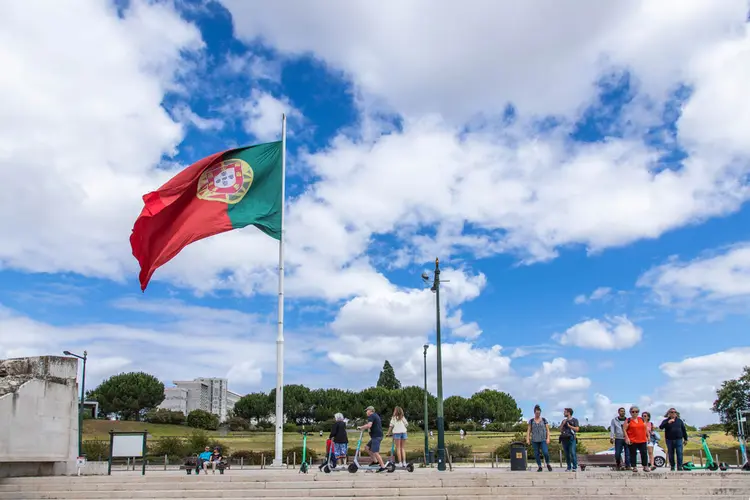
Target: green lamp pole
(440, 418)
(80, 409)
(426, 414)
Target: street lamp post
(426, 414)
(440, 418)
(83, 394)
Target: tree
(201, 419)
(733, 395)
(456, 409)
(494, 406)
(387, 378)
(255, 406)
(129, 394)
(297, 406)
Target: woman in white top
(398, 429)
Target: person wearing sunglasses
(651, 434)
(676, 437)
(636, 436)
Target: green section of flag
(261, 206)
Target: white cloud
(723, 278)
(181, 342)
(81, 93)
(483, 191)
(608, 334)
(600, 293)
(692, 383)
(571, 46)
(263, 115)
(554, 379)
(185, 115)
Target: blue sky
(584, 189)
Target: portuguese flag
(224, 191)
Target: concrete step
(526, 492)
(463, 496)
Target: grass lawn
(480, 442)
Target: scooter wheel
(391, 467)
(713, 466)
(410, 467)
(723, 466)
(303, 468)
(327, 469)
(352, 468)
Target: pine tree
(387, 378)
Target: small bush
(593, 428)
(250, 457)
(196, 442)
(173, 447)
(93, 450)
(311, 454)
(200, 419)
(713, 427)
(458, 450)
(162, 416)
(290, 427)
(520, 427)
(264, 426)
(691, 428)
(238, 424)
(500, 427)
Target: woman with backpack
(636, 437)
(537, 434)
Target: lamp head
(425, 348)
(425, 276)
(67, 353)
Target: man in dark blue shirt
(376, 436)
(676, 436)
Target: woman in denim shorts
(398, 428)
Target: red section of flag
(173, 217)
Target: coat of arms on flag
(227, 181)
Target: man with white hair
(340, 440)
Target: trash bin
(431, 457)
(517, 456)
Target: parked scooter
(392, 465)
(710, 462)
(304, 466)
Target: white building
(208, 394)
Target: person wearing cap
(375, 427)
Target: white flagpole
(278, 461)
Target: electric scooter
(391, 466)
(304, 465)
(743, 442)
(354, 466)
(710, 462)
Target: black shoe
(549, 467)
(539, 469)
(382, 469)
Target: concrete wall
(39, 415)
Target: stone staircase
(423, 484)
